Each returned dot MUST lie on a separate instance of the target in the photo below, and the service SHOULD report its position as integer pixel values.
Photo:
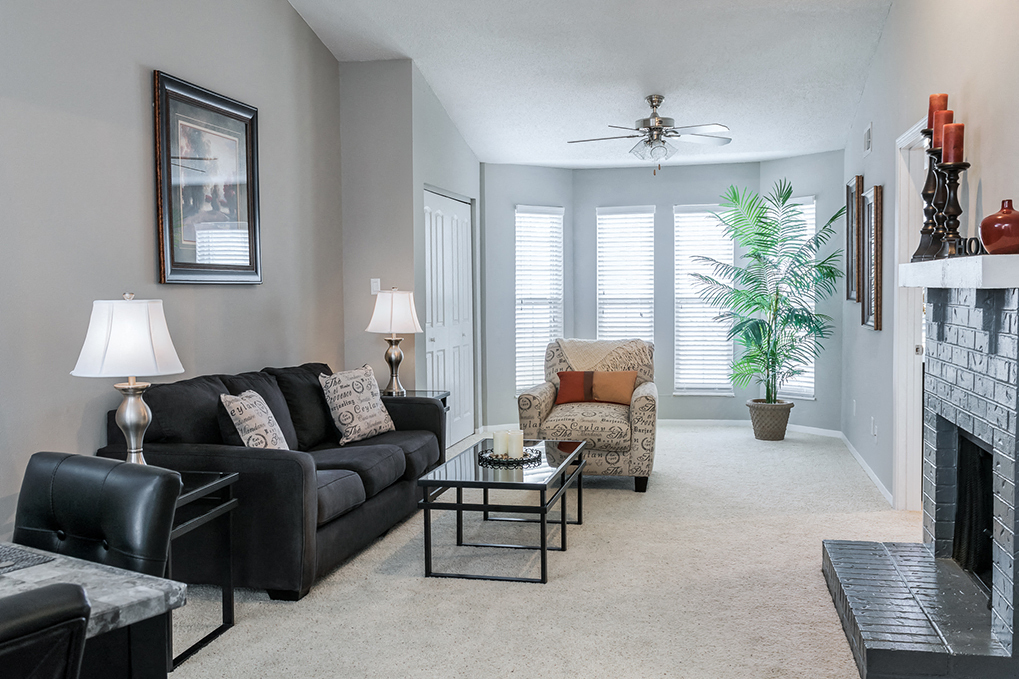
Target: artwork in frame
(854, 265)
(206, 185)
(870, 254)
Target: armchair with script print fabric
(620, 437)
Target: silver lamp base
(394, 357)
(133, 418)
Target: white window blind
(703, 350)
(539, 289)
(802, 385)
(626, 272)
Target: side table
(206, 496)
(425, 393)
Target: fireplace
(944, 608)
(972, 546)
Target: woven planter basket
(769, 419)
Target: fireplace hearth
(944, 608)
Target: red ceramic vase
(1000, 231)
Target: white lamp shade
(394, 312)
(127, 338)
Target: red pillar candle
(940, 119)
(953, 135)
(939, 102)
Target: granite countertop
(119, 597)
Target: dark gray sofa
(301, 512)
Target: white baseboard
(870, 472)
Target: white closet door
(449, 305)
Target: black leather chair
(107, 512)
(42, 632)
(100, 510)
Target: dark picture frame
(872, 245)
(206, 185)
(854, 265)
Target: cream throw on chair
(620, 439)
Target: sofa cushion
(421, 449)
(605, 426)
(339, 491)
(378, 466)
(596, 386)
(249, 422)
(309, 411)
(185, 411)
(264, 385)
(355, 404)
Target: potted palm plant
(768, 299)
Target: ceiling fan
(656, 130)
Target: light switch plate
(376, 285)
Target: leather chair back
(100, 510)
(42, 632)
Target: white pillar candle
(500, 445)
(516, 443)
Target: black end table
(561, 465)
(206, 496)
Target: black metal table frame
(542, 509)
(227, 503)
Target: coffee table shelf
(562, 466)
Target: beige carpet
(714, 573)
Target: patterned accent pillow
(254, 420)
(355, 404)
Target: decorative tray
(531, 458)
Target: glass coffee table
(556, 466)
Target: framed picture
(206, 185)
(870, 254)
(854, 267)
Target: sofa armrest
(643, 418)
(275, 521)
(419, 412)
(534, 405)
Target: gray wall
(819, 175)
(77, 197)
(377, 183)
(441, 160)
(908, 66)
(581, 192)
(397, 138)
(505, 187)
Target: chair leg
(640, 484)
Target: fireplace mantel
(979, 271)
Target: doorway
(449, 309)
(908, 352)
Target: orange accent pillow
(574, 387)
(614, 387)
(596, 386)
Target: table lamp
(394, 312)
(128, 337)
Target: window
(626, 272)
(539, 295)
(802, 386)
(703, 350)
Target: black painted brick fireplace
(909, 610)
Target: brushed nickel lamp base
(394, 357)
(133, 417)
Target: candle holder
(953, 245)
(930, 187)
(938, 202)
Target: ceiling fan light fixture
(653, 149)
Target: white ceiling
(521, 77)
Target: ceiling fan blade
(620, 127)
(625, 136)
(702, 139)
(710, 128)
